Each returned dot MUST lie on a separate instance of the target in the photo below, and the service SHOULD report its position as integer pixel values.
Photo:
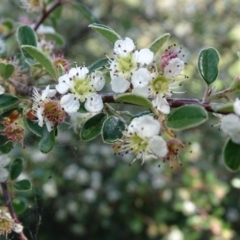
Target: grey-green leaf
(157, 44)
(23, 185)
(42, 59)
(6, 70)
(208, 64)
(231, 155)
(98, 64)
(47, 141)
(20, 204)
(92, 128)
(16, 168)
(186, 117)
(134, 99)
(106, 32)
(7, 102)
(112, 129)
(26, 36)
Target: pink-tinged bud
(14, 132)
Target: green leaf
(8, 102)
(157, 44)
(231, 154)
(20, 204)
(187, 117)
(26, 36)
(112, 129)
(16, 168)
(92, 127)
(42, 59)
(47, 141)
(98, 64)
(87, 14)
(208, 64)
(5, 145)
(33, 127)
(133, 99)
(23, 185)
(59, 40)
(106, 32)
(6, 70)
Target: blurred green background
(83, 191)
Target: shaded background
(82, 191)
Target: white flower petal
(3, 174)
(2, 90)
(81, 72)
(144, 126)
(39, 114)
(94, 103)
(161, 104)
(17, 227)
(97, 80)
(2, 46)
(123, 47)
(63, 84)
(119, 85)
(141, 78)
(48, 93)
(158, 146)
(235, 137)
(236, 106)
(143, 56)
(70, 103)
(174, 68)
(4, 160)
(49, 125)
(230, 124)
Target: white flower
(83, 87)
(126, 62)
(230, 124)
(7, 223)
(46, 110)
(2, 90)
(142, 138)
(4, 161)
(2, 46)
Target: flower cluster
(230, 124)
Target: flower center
(82, 88)
(126, 65)
(160, 85)
(54, 112)
(138, 144)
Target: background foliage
(82, 191)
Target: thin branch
(175, 103)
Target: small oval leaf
(231, 154)
(5, 145)
(20, 204)
(186, 117)
(133, 99)
(92, 127)
(106, 32)
(98, 64)
(23, 185)
(208, 64)
(42, 59)
(112, 129)
(47, 141)
(7, 102)
(6, 70)
(26, 36)
(157, 44)
(33, 127)
(16, 168)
